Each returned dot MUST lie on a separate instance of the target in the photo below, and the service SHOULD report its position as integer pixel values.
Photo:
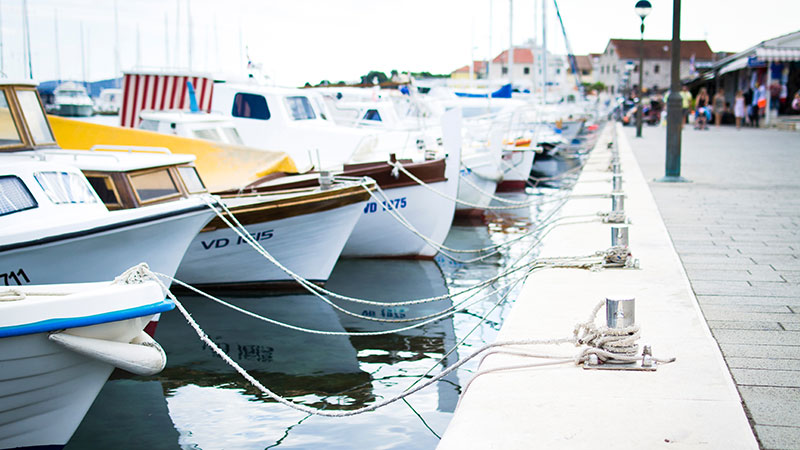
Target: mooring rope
(143, 272)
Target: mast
(489, 59)
(166, 39)
(177, 32)
(511, 41)
(26, 37)
(117, 64)
(138, 47)
(544, 51)
(58, 51)
(83, 57)
(189, 23)
(2, 66)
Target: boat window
(300, 108)
(37, 122)
(232, 136)
(207, 134)
(148, 124)
(66, 187)
(14, 196)
(191, 179)
(250, 106)
(104, 187)
(9, 134)
(154, 185)
(373, 114)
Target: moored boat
(58, 345)
(71, 99)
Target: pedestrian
(719, 107)
(796, 102)
(738, 108)
(686, 103)
(701, 111)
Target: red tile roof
(477, 66)
(629, 49)
(521, 55)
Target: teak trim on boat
(20, 121)
(428, 171)
(283, 208)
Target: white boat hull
(308, 244)
(482, 171)
(46, 388)
(102, 255)
(516, 169)
(379, 234)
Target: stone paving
(736, 227)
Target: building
(585, 68)
(478, 71)
(618, 65)
(774, 63)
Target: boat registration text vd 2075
(395, 203)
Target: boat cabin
(123, 177)
(199, 125)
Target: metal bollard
(619, 236)
(620, 312)
(325, 179)
(618, 202)
(616, 183)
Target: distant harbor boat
(71, 99)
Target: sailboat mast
(117, 64)
(27, 37)
(166, 39)
(544, 51)
(189, 22)
(2, 65)
(511, 41)
(177, 32)
(489, 59)
(57, 48)
(83, 57)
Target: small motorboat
(71, 99)
(58, 345)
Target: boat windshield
(9, 134)
(14, 196)
(66, 187)
(300, 108)
(232, 135)
(37, 122)
(209, 134)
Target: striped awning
(778, 53)
(159, 92)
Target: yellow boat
(222, 166)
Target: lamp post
(642, 9)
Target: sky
(304, 40)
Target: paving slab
(691, 403)
(754, 197)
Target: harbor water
(199, 402)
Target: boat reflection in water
(205, 404)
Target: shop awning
(734, 65)
(778, 53)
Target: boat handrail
(131, 148)
(74, 153)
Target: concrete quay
(691, 403)
(736, 228)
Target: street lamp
(642, 8)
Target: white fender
(142, 356)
